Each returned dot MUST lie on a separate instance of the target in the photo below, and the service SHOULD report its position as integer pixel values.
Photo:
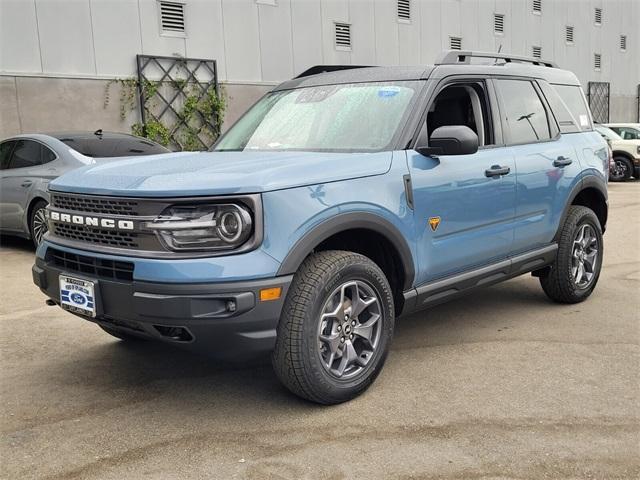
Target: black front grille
(106, 206)
(94, 235)
(96, 267)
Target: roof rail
(460, 57)
(327, 68)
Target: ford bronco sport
(344, 198)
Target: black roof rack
(327, 68)
(460, 57)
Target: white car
(626, 153)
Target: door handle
(562, 161)
(497, 171)
(26, 183)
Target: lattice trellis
(182, 97)
(598, 94)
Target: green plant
(199, 112)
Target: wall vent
(597, 61)
(568, 34)
(172, 17)
(498, 23)
(343, 36)
(598, 16)
(537, 6)
(455, 43)
(536, 52)
(623, 43)
(404, 10)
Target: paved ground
(502, 384)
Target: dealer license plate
(77, 295)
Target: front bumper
(226, 320)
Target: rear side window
(26, 154)
(573, 98)
(524, 112)
(5, 154)
(566, 121)
(47, 154)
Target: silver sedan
(29, 162)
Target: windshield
(608, 133)
(358, 117)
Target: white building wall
(262, 42)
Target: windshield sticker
(387, 92)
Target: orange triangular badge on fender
(434, 222)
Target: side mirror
(451, 140)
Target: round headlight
(230, 227)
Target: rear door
(17, 180)
(546, 163)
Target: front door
(464, 205)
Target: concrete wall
(258, 43)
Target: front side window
(5, 154)
(524, 112)
(26, 154)
(358, 117)
(627, 133)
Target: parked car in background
(29, 162)
(626, 155)
(628, 131)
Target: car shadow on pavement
(16, 244)
(147, 368)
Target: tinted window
(5, 154)
(627, 133)
(567, 122)
(26, 154)
(574, 100)
(525, 114)
(47, 154)
(113, 147)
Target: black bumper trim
(225, 319)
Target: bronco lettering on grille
(91, 221)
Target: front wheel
(335, 328)
(576, 270)
(620, 170)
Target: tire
(562, 284)
(124, 336)
(622, 170)
(37, 222)
(310, 367)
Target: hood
(218, 173)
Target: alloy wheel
(349, 329)
(584, 256)
(39, 225)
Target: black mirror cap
(451, 140)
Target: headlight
(203, 227)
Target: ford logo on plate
(78, 298)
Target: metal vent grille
(343, 35)
(623, 43)
(404, 9)
(598, 16)
(97, 236)
(498, 23)
(455, 43)
(98, 267)
(172, 17)
(597, 61)
(537, 6)
(536, 52)
(94, 205)
(568, 34)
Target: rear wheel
(335, 329)
(38, 222)
(575, 272)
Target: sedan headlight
(203, 227)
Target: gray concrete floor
(501, 384)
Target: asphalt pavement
(500, 384)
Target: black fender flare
(589, 181)
(349, 221)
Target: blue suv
(344, 198)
